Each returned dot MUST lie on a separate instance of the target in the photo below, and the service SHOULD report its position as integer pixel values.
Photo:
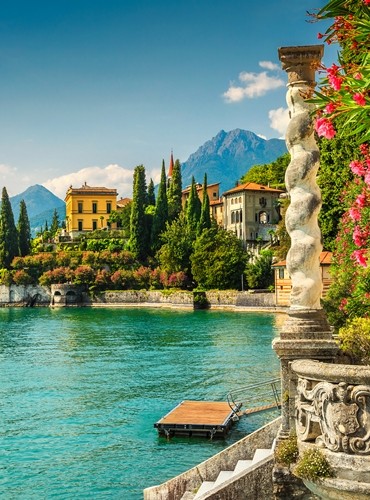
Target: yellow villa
(88, 208)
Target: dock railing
(254, 398)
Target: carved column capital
(301, 63)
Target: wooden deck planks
(198, 413)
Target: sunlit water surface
(80, 390)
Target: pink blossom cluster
(324, 128)
(334, 77)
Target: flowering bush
(313, 465)
(122, 279)
(83, 275)
(142, 277)
(344, 110)
(21, 277)
(355, 340)
(58, 275)
(286, 452)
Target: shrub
(286, 452)
(58, 275)
(6, 277)
(103, 279)
(122, 279)
(83, 275)
(21, 277)
(355, 340)
(313, 465)
(142, 277)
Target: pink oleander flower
(367, 2)
(357, 167)
(364, 148)
(360, 257)
(357, 76)
(359, 237)
(324, 128)
(367, 178)
(329, 108)
(320, 35)
(334, 78)
(359, 99)
(335, 81)
(355, 214)
(361, 200)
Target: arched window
(232, 217)
(263, 218)
(237, 217)
(241, 216)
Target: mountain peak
(229, 155)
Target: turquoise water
(80, 390)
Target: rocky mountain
(228, 156)
(40, 203)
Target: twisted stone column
(306, 333)
(305, 198)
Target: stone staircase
(224, 477)
(243, 471)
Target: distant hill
(228, 156)
(40, 203)
(38, 221)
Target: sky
(89, 89)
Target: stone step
(242, 465)
(261, 454)
(188, 495)
(223, 476)
(204, 487)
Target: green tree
(193, 208)
(139, 238)
(151, 193)
(271, 174)
(161, 212)
(24, 230)
(205, 215)
(8, 232)
(55, 223)
(260, 274)
(177, 246)
(218, 260)
(175, 192)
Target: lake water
(80, 390)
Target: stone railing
(333, 406)
(333, 413)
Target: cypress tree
(8, 232)
(138, 226)
(175, 192)
(54, 223)
(193, 207)
(161, 211)
(151, 194)
(24, 230)
(205, 216)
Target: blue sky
(92, 88)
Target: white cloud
(111, 176)
(253, 85)
(279, 119)
(13, 180)
(269, 65)
(262, 136)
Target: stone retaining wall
(27, 295)
(24, 295)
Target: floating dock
(198, 418)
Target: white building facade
(251, 211)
